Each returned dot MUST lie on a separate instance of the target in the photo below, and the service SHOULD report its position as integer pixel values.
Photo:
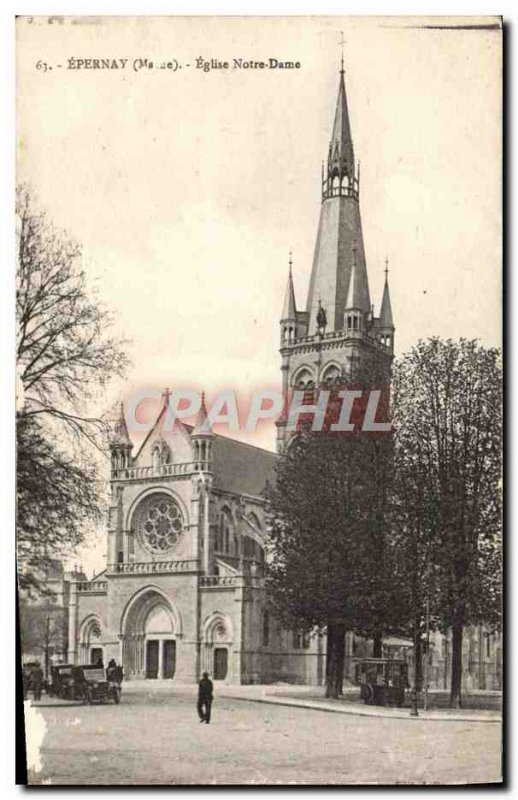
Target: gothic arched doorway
(217, 642)
(150, 627)
(91, 650)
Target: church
(183, 589)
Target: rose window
(159, 523)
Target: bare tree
(66, 359)
(65, 354)
(43, 630)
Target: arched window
(331, 374)
(303, 379)
(155, 457)
(161, 454)
(225, 539)
(252, 549)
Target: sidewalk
(311, 697)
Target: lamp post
(427, 653)
(413, 711)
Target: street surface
(154, 737)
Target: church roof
(240, 467)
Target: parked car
(94, 685)
(62, 683)
(382, 681)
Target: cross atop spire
(340, 158)
(342, 43)
(386, 318)
(166, 394)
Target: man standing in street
(205, 688)
(37, 681)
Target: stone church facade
(182, 591)
(183, 588)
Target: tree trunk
(47, 646)
(335, 658)
(456, 664)
(418, 665)
(377, 646)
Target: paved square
(154, 737)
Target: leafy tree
(57, 501)
(413, 524)
(66, 358)
(330, 565)
(448, 417)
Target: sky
(187, 189)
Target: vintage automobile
(95, 686)
(382, 681)
(62, 683)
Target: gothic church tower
(338, 329)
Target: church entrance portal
(160, 658)
(149, 638)
(217, 646)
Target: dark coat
(205, 689)
(37, 677)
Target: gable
(177, 439)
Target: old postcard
(259, 399)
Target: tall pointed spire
(338, 330)
(341, 151)
(289, 310)
(340, 225)
(386, 319)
